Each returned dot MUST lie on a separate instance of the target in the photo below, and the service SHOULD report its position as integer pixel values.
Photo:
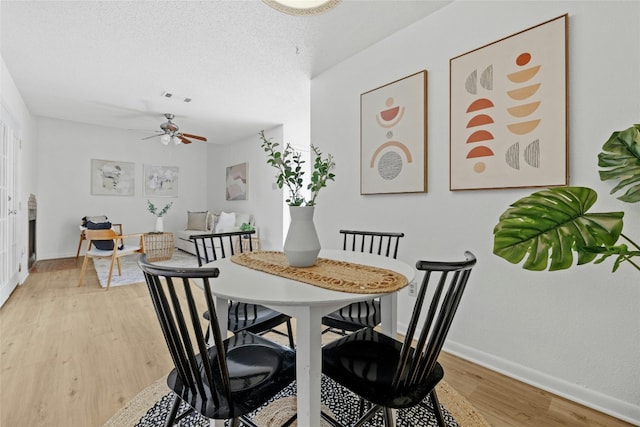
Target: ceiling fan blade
(201, 138)
(183, 139)
(152, 136)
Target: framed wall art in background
(237, 183)
(112, 178)
(508, 111)
(393, 137)
(161, 181)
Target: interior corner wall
(575, 332)
(263, 200)
(64, 187)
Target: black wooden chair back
(373, 242)
(202, 376)
(242, 316)
(214, 246)
(393, 374)
(365, 313)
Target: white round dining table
(307, 304)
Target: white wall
(577, 332)
(263, 201)
(64, 191)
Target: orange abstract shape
(389, 114)
(480, 151)
(388, 144)
(523, 93)
(523, 59)
(524, 75)
(388, 123)
(479, 120)
(480, 104)
(480, 135)
(524, 109)
(523, 127)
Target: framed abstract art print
(112, 178)
(393, 137)
(236, 183)
(161, 181)
(508, 111)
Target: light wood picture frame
(112, 178)
(509, 112)
(393, 137)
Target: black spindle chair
(228, 380)
(391, 374)
(254, 318)
(366, 313)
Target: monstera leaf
(621, 157)
(553, 224)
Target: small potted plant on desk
(245, 226)
(158, 214)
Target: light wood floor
(73, 356)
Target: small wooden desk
(307, 303)
(255, 245)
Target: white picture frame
(161, 181)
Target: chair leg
(80, 244)
(172, 414)
(111, 271)
(84, 268)
(290, 333)
(388, 418)
(436, 408)
(370, 413)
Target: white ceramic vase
(159, 225)
(301, 247)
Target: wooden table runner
(326, 273)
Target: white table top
(237, 282)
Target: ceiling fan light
(176, 140)
(302, 7)
(165, 139)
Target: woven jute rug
(144, 409)
(326, 273)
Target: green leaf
(621, 160)
(553, 224)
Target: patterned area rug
(131, 273)
(152, 405)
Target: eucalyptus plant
(154, 210)
(552, 224)
(289, 164)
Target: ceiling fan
(170, 133)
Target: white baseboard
(600, 402)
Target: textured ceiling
(242, 62)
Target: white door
(8, 212)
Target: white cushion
(227, 221)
